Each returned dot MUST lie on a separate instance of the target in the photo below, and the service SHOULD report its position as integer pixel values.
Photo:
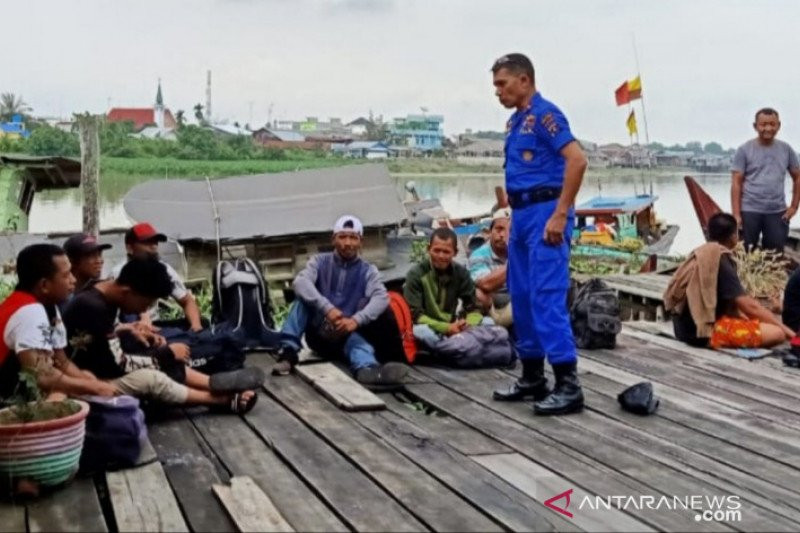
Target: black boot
(567, 396)
(532, 384)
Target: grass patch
(172, 167)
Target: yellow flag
(632, 124)
(635, 88)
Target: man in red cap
(142, 241)
(86, 257)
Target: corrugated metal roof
(267, 205)
(288, 135)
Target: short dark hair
(35, 263)
(721, 227)
(444, 234)
(516, 64)
(766, 111)
(146, 276)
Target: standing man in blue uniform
(544, 167)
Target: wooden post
(89, 131)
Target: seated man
(85, 255)
(433, 289)
(487, 267)
(142, 241)
(159, 372)
(342, 306)
(708, 302)
(791, 301)
(33, 335)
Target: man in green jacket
(433, 289)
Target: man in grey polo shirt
(759, 171)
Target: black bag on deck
(595, 316)
(241, 304)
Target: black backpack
(594, 314)
(241, 303)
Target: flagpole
(641, 96)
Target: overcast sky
(706, 65)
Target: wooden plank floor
(443, 456)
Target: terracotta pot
(46, 452)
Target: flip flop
(238, 407)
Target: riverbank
(172, 167)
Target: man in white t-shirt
(142, 241)
(33, 335)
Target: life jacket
(402, 315)
(15, 301)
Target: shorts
(736, 333)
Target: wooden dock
(443, 456)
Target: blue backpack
(115, 433)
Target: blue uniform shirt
(534, 138)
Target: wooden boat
(621, 227)
(705, 207)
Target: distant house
(471, 147)
(158, 115)
(710, 163)
(267, 135)
(287, 139)
(674, 158)
(154, 132)
(14, 129)
(228, 130)
(362, 149)
(359, 127)
(418, 132)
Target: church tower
(159, 108)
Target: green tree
(180, 118)
(116, 140)
(656, 146)
(195, 142)
(47, 140)
(198, 113)
(694, 146)
(10, 105)
(713, 148)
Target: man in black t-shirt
(740, 321)
(159, 372)
(791, 301)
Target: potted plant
(40, 441)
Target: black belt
(533, 196)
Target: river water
(461, 195)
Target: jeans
(770, 228)
(359, 352)
(427, 338)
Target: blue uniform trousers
(538, 281)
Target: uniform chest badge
(527, 155)
(528, 124)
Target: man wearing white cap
(341, 306)
(487, 267)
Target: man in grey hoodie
(342, 307)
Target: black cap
(82, 244)
(639, 399)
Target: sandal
(239, 406)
